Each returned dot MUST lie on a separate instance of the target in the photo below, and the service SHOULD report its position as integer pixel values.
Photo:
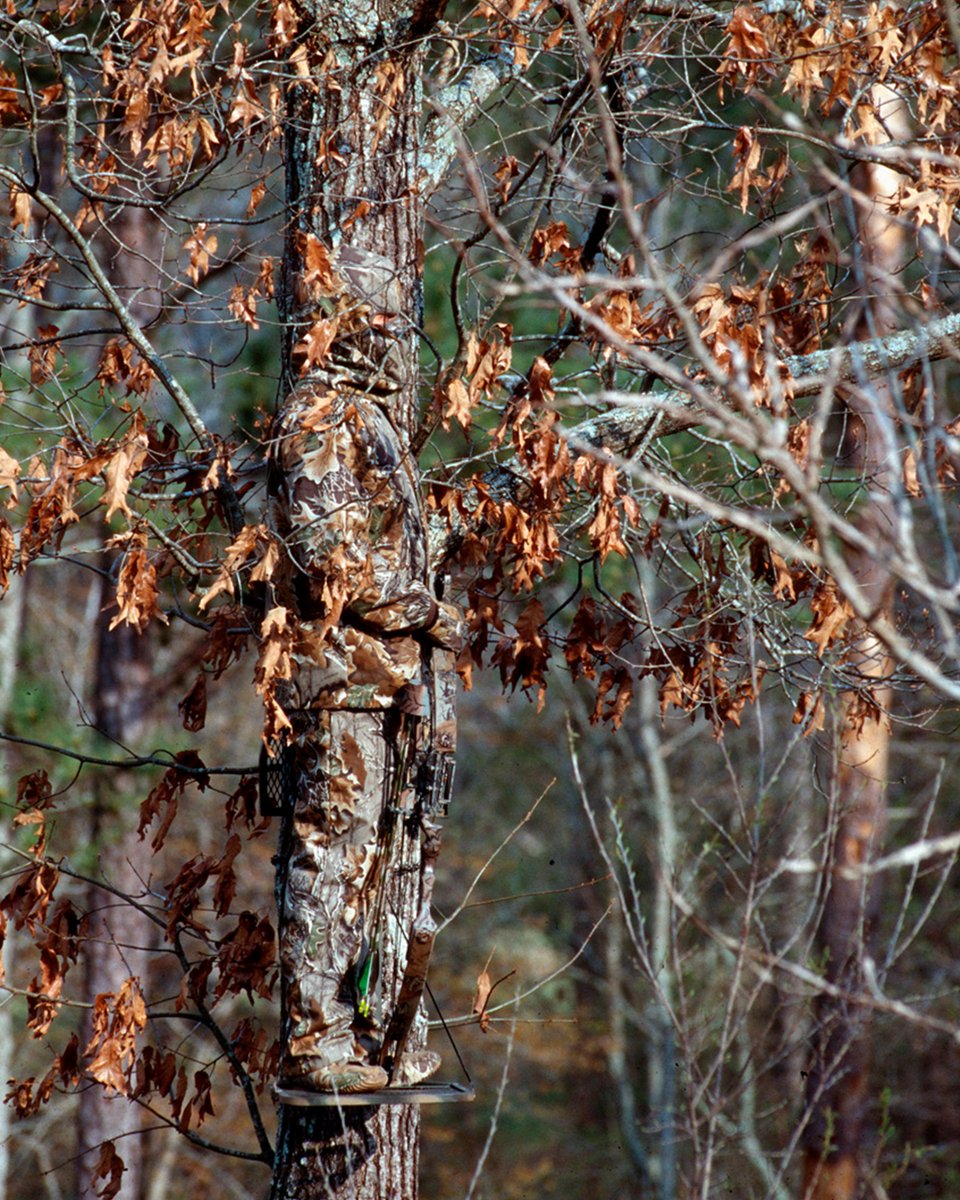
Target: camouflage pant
(344, 770)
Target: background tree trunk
(11, 625)
(116, 931)
(124, 690)
(837, 1084)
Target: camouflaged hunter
(347, 506)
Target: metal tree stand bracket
(420, 1093)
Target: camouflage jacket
(348, 509)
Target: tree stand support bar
(421, 1093)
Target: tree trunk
(117, 932)
(11, 624)
(837, 1082)
(123, 694)
(353, 110)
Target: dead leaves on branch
(842, 63)
(485, 989)
(28, 1097)
(159, 1073)
(108, 1170)
(255, 548)
(749, 176)
(278, 637)
(749, 53)
(164, 798)
(200, 245)
(54, 489)
(733, 323)
(243, 300)
(832, 617)
(121, 364)
(117, 1021)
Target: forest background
(688, 427)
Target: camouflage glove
(449, 630)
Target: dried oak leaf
(9, 473)
(313, 349)
(123, 467)
(832, 614)
(193, 707)
(226, 887)
(458, 403)
(21, 211)
(109, 1168)
(200, 246)
(168, 793)
(137, 591)
(200, 1104)
(29, 898)
(243, 805)
(484, 988)
(238, 552)
(277, 638)
(810, 711)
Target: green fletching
(366, 974)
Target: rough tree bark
(353, 132)
(837, 1083)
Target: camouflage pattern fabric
(347, 508)
(350, 516)
(346, 770)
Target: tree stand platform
(420, 1093)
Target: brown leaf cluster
(733, 323)
(554, 241)
(242, 806)
(184, 892)
(118, 1018)
(158, 1073)
(137, 590)
(278, 635)
(34, 798)
(27, 1100)
(59, 945)
(749, 176)
(108, 1170)
(832, 615)
(598, 476)
(622, 316)
(43, 354)
(164, 798)
(523, 659)
(246, 958)
(30, 897)
(749, 53)
(199, 245)
(32, 276)
(257, 1053)
(54, 490)
(120, 363)
(596, 641)
(255, 548)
